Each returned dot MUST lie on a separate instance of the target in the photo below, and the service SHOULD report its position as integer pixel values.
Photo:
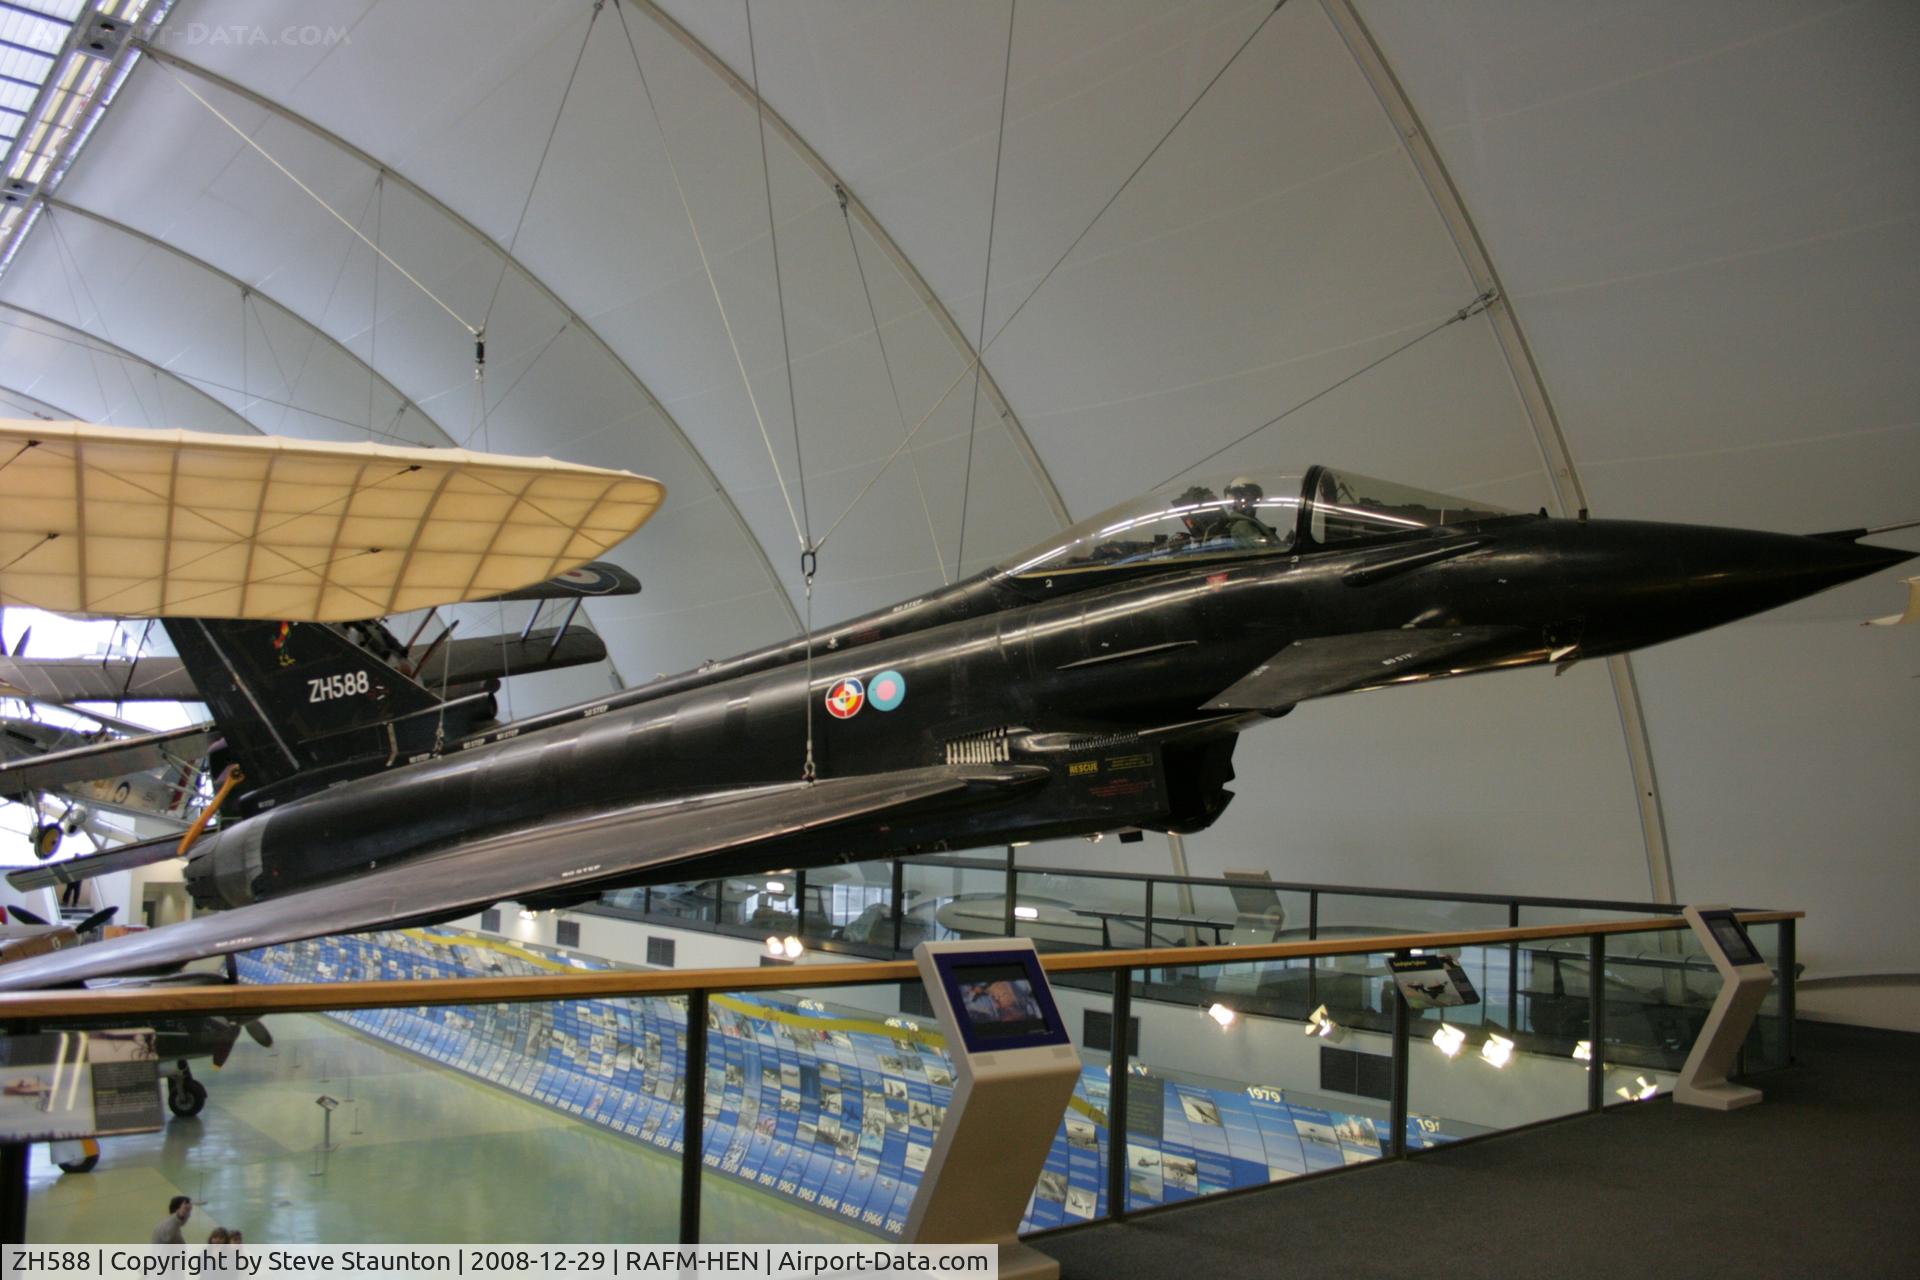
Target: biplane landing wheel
(186, 1098)
(46, 840)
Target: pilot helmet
(1245, 492)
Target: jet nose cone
(1745, 572)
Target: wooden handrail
(318, 997)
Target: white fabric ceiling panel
(1793, 781)
(642, 284)
(69, 370)
(1508, 783)
(400, 72)
(904, 102)
(1276, 243)
(277, 370)
(1708, 219)
(328, 275)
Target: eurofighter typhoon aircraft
(1097, 681)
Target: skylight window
(60, 63)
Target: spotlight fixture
(1449, 1039)
(792, 948)
(777, 888)
(1026, 913)
(1319, 1023)
(1497, 1051)
(773, 946)
(1583, 1051)
(1222, 1015)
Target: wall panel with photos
(826, 1105)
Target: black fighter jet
(1098, 681)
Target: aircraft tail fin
(296, 696)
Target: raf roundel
(887, 690)
(846, 698)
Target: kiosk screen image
(1000, 999)
(1733, 940)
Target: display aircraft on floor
(66, 777)
(1097, 681)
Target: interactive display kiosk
(1014, 1071)
(1745, 979)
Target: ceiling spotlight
(1449, 1039)
(1319, 1023)
(1222, 1015)
(1583, 1051)
(792, 947)
(774, 948)
(1026, 913)
(776, 887)
(1647, 1088)
(1497, 1051)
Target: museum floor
(1820, 1179)
(422, 1154)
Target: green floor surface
(422, 1155)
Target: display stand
(1014, 1071)
(1745, 979)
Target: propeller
(225, 1047)
(95, 920)
(29, 917)
(255, 1029)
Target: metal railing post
(1147, 933)
(899, 901)
(1013, 888)
(800, 902)
(1402, 1032)
(1513, 970)
(1313, 962)
(1788, 986)
(693, 1117)
(1596, 1021)
(1117, 1081)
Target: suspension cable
(553, 130)
(315, 196)
(1474, 308)
(893, 385)
(993, 219)
(779, 290)
(712, 284)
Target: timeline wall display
(832, 1107)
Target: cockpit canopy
(1249, 514)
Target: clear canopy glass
(1250, 514)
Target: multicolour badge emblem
(887, 690)
(846, 698)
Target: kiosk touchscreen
(1014, 1071)
(1745, 979)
